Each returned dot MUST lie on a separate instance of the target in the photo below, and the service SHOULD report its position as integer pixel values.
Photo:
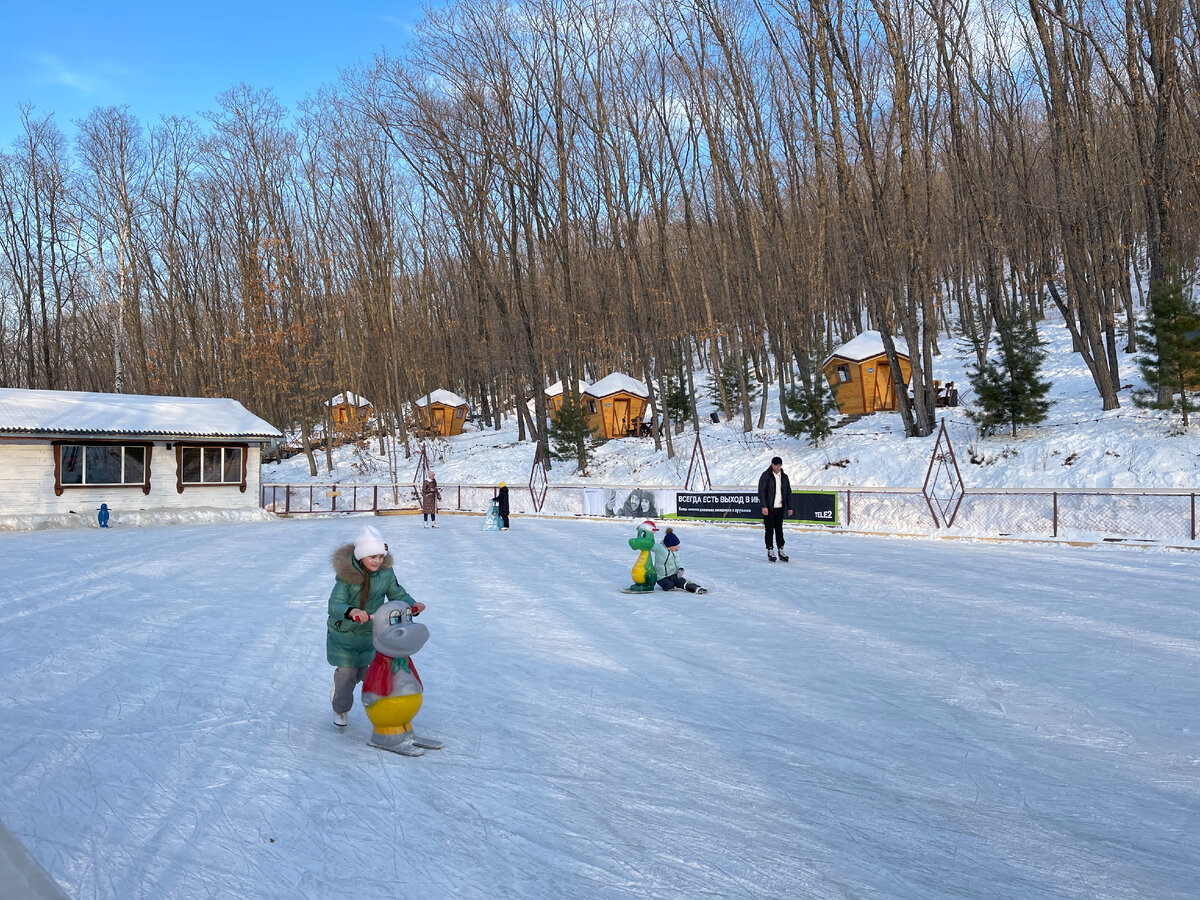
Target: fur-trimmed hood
(346, 567)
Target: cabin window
(101, 463)
(843, 373)
(211, 465)
(84, 464)
(458, 413)
(198, 465)
(592, 407)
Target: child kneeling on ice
(666, 560)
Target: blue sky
(164, 58)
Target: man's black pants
(773, 526)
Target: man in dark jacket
(775, 496)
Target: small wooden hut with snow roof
(349, 409)
(69, 451)
(556, 393)
(860, 376)
(443, 412)
(615, 405)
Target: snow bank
(199, 515)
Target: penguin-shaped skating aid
(392, 690)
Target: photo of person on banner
(637, 503)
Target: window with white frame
(81, 465)
(210, 465)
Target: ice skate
(770, 554)
(341, 720)
(401, 743)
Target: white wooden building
(70, 451)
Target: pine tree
(677, 402)
(571, 437)
(1170, 358)
(727, 375)
(810, 403)
(1010, 390)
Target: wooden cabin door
(885, 391)
(620, 417)
(439, 420)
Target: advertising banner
(630, 503)
(811, 507)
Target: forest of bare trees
(538, 190)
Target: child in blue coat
(666, 561)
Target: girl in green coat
(365, 579)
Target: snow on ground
(878, 718)
(1079, 446)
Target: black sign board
(813, 507)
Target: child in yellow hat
(502, 505)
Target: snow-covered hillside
(1079, 446)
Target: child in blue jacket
(666, 561)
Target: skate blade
(428, 743)
(408, 750)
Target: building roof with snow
(446, 398)
(866, 345)
(557, 388)
(79, 413)
(615, 383)
(348, 399)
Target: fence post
(1055, 514)
(1193, 516)
(375, 499)
(287, 499)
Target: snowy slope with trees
(1077, 446)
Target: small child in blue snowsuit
(666, 561)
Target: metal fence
(1147, 515)
(1153, 515)
(302, 499)
(1086, 514)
